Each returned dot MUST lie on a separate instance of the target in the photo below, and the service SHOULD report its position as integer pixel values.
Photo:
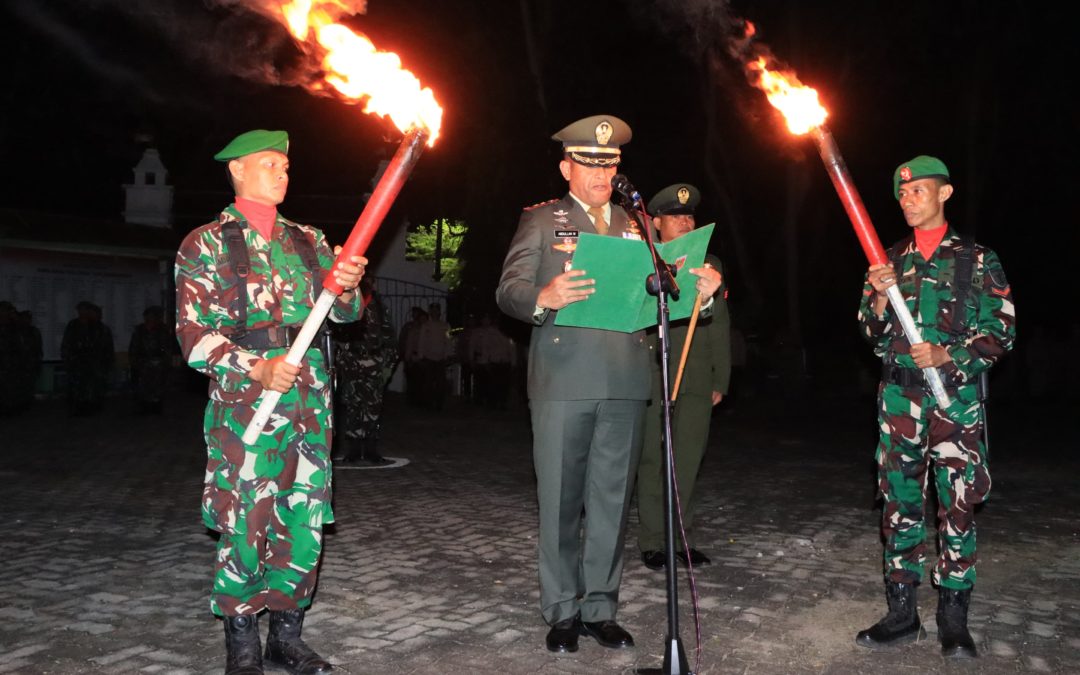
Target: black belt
(910, 378)
(271, 337)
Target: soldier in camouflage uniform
(235, 320)
(962, 304)
(366, 355)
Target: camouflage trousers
(919, 439)
(269, 501)
(360, 401)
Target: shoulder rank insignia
(536, 206)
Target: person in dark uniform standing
(704, 383)
(150, 355)
(88, 354)
(958, 294)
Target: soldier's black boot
(243, 654)
(952, 613)
(285, 648)
(900, 625)
(369, 452)
(348, 450)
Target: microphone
(621, 184)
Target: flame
(360, 72)
(798, 103)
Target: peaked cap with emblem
(923, 166)
(679, 199)
(255, 140)
(594, 141)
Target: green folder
(620, 267)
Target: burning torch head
(921, 167)
(594, 141)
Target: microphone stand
(661, 283)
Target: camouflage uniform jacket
(281, 292)
(928, 287)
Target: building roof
(61, 232)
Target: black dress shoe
(607, 633)
(696, 557)
(563, 636)
(654, 560)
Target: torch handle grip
(933, 377)
(295, 356)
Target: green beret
(923, 166)
(594, 141)
(256, 140)
(679, 199)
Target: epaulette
(536, 206)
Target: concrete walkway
(431, 567)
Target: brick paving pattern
(431, 566)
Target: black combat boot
(952, 612)
(368, 452)
(900, 625)
(243, 654)
(285, 648)
(347, 450)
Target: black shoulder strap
(306, 250)
(962, 272)
(896, 257)
(233, 235)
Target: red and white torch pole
(871, 245)
(397, 172)
(804, 114)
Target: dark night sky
(983, 85)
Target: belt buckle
(272, 337)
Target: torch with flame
(359, 73)
(804, 114)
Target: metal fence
(401, 296)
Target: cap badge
(905, 173)
(603, 132)
(683, 195)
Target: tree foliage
(424, 244)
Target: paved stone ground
(431, 566)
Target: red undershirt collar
(927, 241)
(259, 216)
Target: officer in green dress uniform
(587, 393)
(704, 383)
